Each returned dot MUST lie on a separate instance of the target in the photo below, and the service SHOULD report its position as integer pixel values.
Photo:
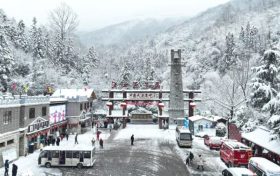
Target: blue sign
(186, 123)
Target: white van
(237, 171)
(263, 167)
(183, 136)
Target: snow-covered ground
(28, 166)
(211, 157)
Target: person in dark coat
(57, 141)
(67, 136)
(14, 170)
(6, 168)
(53, 141)
(191, 156)
(188, 159)
(76, 139)
(101, 143)
(132, 139)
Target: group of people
(14, 169)
(200, 163)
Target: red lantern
(109, 104)
(192, 104)
(161, 105)
(123, 105)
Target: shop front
(37, 133)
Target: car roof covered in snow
(183, 129)
(266, 165)
(237, 145)
(238, 171)
(78, 147)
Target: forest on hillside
(231, 53)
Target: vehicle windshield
(185, 136)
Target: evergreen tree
(21, 39)
(125, 77)
(90, 61)
(37, 49)
(6, 61)
(229, 58)
(266, 83)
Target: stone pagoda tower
(176, 105)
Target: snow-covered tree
(6, 61)
(21, 38)
(266, 83)
(229, 58)
(90, 61)
(125, 77)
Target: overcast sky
(98, 13)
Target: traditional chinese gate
(146, 97)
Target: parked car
(213, 142)
(237, 171)
(262, 166)
(235, 154)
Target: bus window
(76, 154)
(44, 154)
(62, 157)
(49, 155)
(68, 154)
(185, 136)
(55, 154)
(81, 157)
(87, 154)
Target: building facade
(24, 123)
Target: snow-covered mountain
(128, 32)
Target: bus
(263, 167)
(183, 136)
(77, 155)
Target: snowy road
(149, 156)
(155, 153)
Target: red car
(213, 142)
(235, 154)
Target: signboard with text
(143, 96)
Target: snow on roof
(261, 137)
(197, 117)
(57, 99)
(236, 145)
(183, 129)
(73, 93)
(265, 165)
(216, 118)
(70, 147)
(240, 171)
(117, 113)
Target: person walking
(188, 159)
(57, 141)
(53, 140)
(191, 156)
(67, 136)
(132, 139)
(98, 134)
(200, 162)
(14, 170)
(101, 143)
(6, 168)
(76, 139)
(93, 141)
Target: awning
(38, 133)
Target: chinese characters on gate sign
(142, 96)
